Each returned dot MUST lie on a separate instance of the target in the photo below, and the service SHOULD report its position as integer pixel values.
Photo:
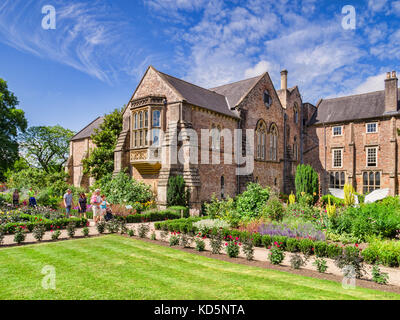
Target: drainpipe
(324, 154)
(284, 151)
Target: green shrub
(38, 232)
(378, 276)
(55, 235)
(178, 210)
(266, 240)
(19, 235)
(306, 246)
(273, 209)
(297, 261)
(351, 258)
(333, 250)
(177, 193)
(85, 231)
(248, 249)
(306, 180)
(71, 228)
(320, 264)
(216, 241)
(101, 226)
(131, 232)
(173, 239)
(232, 247)
(122, 189)
(276, 254)
(292, 245)
(321, 249)
(200, 244)
(334, 201)
(251, 201)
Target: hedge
(48, 224)
(150, 216)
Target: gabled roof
(355, 107)
(89, 129)
(236, 91)
(199, 96)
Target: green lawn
(114, 267)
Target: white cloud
(396, 7)
(88, 37)
(377, 5)
(373, 83)
(258, 69)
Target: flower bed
(150, 216)
(304, 245)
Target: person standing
(95, 201)
(82, 205)
(32, 199)
(15, 198)
(68, 203)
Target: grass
(114, 267)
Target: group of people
(31, 196)
(98, 202)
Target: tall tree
(12, 120)
(46, 147)
(101, 159)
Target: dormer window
(267, 99)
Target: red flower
(226, 244)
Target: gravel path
(260, 254)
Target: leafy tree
(46, 148)
(101, 159)
(250, 203)
(122, 189)
(306, 181)
(12, 120)
(177, 194)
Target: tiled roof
(235, 91)
(200, 96)
(355, 107)
(89, 129)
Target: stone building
(355, 139)
(164, 112)
(79, 149)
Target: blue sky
(92, 62)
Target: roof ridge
(99, 117)
(230, 83)
(355, 95)
(190, 83)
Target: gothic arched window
(261, 136)
(273, 147)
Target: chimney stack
(391, 92)
(284, 74)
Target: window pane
(341, 179)
(336, 179)
(140, 120)
(146, 119)
(156, 137)
(135, 121)
(378, 179)
(371, 179)
(156, 118)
